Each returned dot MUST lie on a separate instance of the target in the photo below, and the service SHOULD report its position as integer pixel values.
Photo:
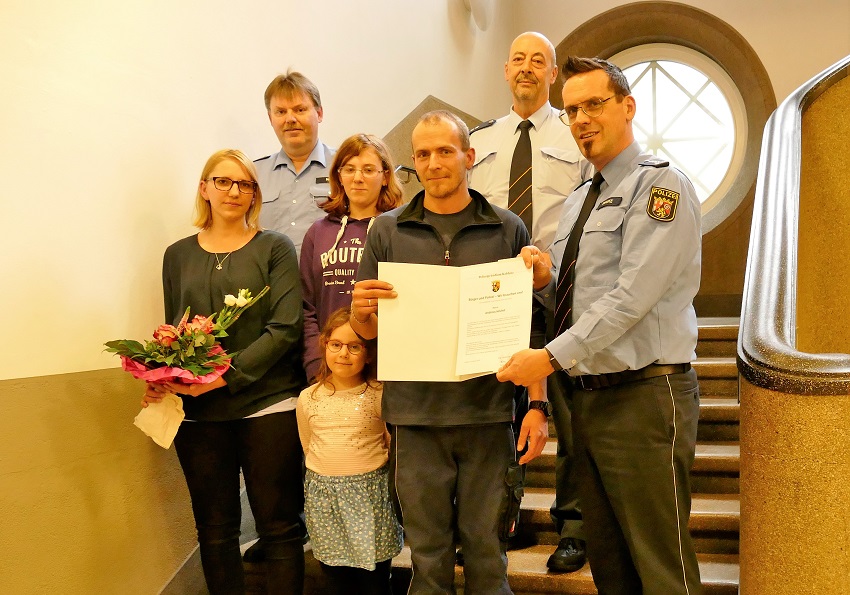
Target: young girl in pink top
(352, 526)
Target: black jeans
(268, 452)
(345, 580)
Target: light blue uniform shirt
(556, 163)
(636, 276)
(291, 201)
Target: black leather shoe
(255, 554)
(569, 557)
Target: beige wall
(88, 504)
(108, 112)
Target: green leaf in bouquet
(126, 347)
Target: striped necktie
(567, 275)
(519, 191)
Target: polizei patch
(662, 204)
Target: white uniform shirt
(557, 167)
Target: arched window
(670, 32)
(690, 112)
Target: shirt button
(294, 201)
(293, 223)
(574, 362)
(598, 224)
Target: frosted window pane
(684, 117)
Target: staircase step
(528, 575)
(716, 328)
(714, 521)
(717, 457)
(721, 459)
(718, 337)
(718, 376)
(718, 419)
(716, 367)
(719, 409)
(716, 468)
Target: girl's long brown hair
(337, 319)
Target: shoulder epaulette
(261, 158)
(655, 162)
(482, 126)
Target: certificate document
(452, 323)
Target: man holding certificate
(452, 441)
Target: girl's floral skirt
(350, 518)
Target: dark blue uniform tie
(567, 275)
(519, 191)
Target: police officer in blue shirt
(294, 180)
(623, 292)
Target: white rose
(241, 301)
(230, 300)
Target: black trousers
(345, 580)
(634, 451)
(566, 509)
(268, 452)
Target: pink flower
(201, 324)
(168, 374)
(166, 334)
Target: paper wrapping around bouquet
(161, 420)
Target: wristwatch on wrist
(543, 406)
(557, 367)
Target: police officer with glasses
(626, 268)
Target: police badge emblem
(662, 204)
(496, 285)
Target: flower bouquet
(188, 353)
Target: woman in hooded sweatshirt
(363, 185)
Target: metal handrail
(767, 355)
(407, 171)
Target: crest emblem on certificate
(496, 285)
(662, 204)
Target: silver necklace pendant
(219, 263)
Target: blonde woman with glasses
(245, 420)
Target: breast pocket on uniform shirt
(603, 240)
(320, 191)
(559, 170)
(481, 177)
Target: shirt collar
(319, 155)
(621, 165)
(537, 118)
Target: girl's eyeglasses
(353, 348)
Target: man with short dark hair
(452, 442)
(626, 269)
(535, 184)
(294, 181)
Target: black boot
(569, 557)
